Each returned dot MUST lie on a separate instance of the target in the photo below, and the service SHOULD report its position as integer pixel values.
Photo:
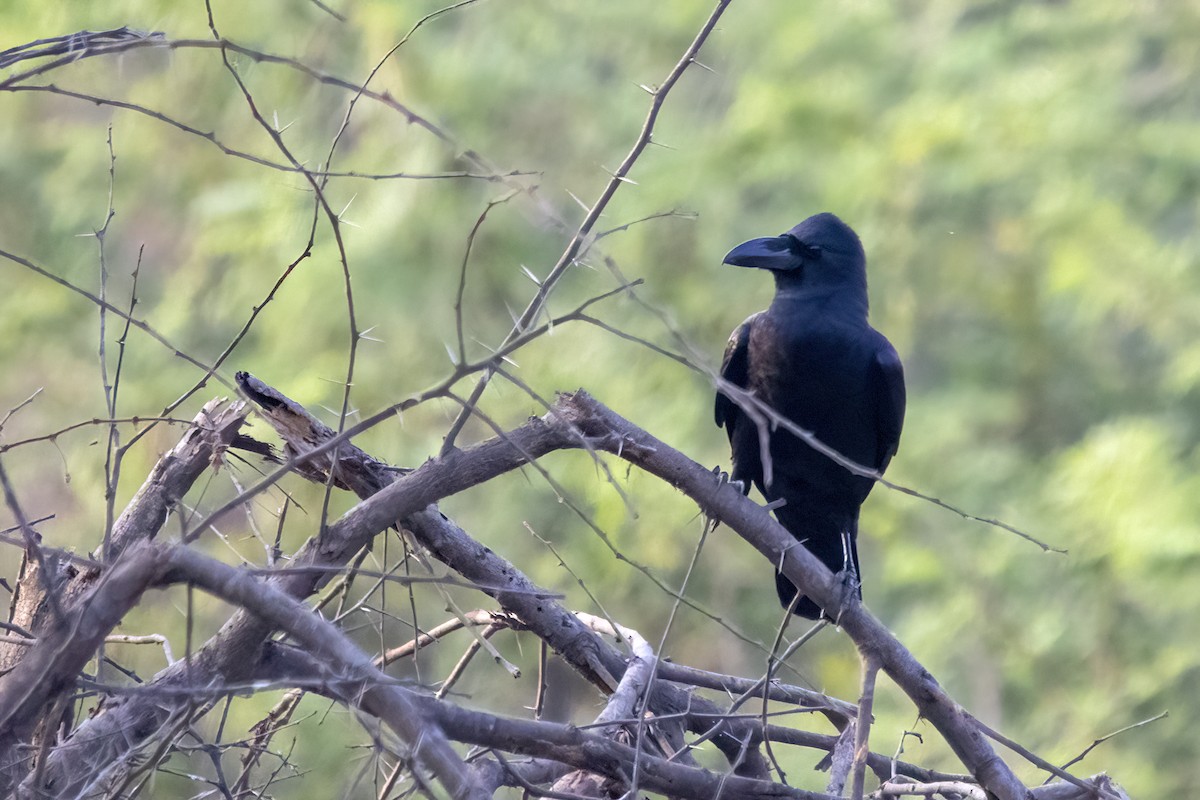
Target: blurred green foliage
(1024, 176)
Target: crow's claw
(723, 478)
(849, 592)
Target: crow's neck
(850, 301)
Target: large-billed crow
(813, 358)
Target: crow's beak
(774, 253)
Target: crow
(813, 358)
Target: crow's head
(821, 253)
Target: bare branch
(358, 680)
(596, 660)
(586, 227)
(608, 431)
(50, 666)
(862, 732)
(575, 420)
(968, 791)
(418, 718)
(111, 309)
(1106, 737)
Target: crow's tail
(831, 537)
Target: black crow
(813, 358)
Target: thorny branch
(537, 305)
(574, 421)
(46, 659)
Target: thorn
(531, 277)
(582, 204)
(621, 178)
(492, 350)
(704, 66)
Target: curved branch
(425, 722)
(611, 432)
(576, 421)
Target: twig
(111, 309)
(51, 437)
(1096, 743)
(477, 617)
(112, 461)
(459, 668)
(784, 693)
(334, 221)
(534, 309)
(862, 733)
(148, 638)
(18, 407)
(33, 549)
(462, 272)
(75, 45)
(766, 419)
(759, 687)
(543, 684)
(440, 389)
(1037, 760)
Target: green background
(1023, 176)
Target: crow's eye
(809, 252)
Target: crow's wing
(743, 434)
(735, 368)
(887, 392)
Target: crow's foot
(723, 478)
(849, 593)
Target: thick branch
(233, 653)
(421, 720)
(580, 415)
(575, 421)
(361, 683)
(213, 429)
(52, 664)
(608, 431)
(589, 654)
